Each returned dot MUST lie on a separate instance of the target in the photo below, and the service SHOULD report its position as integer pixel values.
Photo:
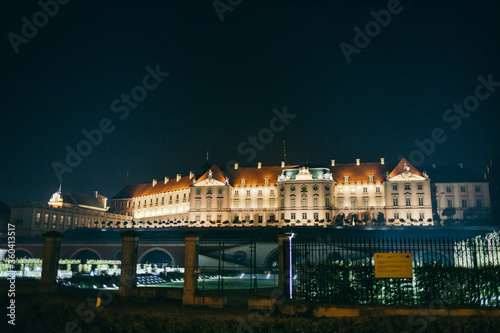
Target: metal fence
(450, 272)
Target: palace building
(284, 195)
(363, 193)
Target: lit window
(365, 203)
(365, 189)
(346, 178)
(197, 204)
(235, 192)
(248, 192)
(259, 192)
(370, 177)
(377, 189)
(219, 205)
(304, 202)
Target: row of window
(464, 188)
(395, 201)
(248, 192)
(365, 189)
(479, 203)
(304, 202)
(409, 216)
(407, 187)
(209, 204)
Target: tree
(449, 212)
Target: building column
(51, 253)
(128, 278)
(190, 268)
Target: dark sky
(225, 78)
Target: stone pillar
(284, 264)
(51, 252)
(128, 278)
(190, 268)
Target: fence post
(283, 264)
(51, 252)
(190, 266)
(128, 278)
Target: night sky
(226, 77)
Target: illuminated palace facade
(297, 195)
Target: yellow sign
(393, 265)
(98, 303)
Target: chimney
(191, 174)
(382, 160)
(461, 165)
(154, 182)
(434, 166)
(235, 166)
(166, 180)
(178, 176)
(357, 161)
(96, 193)
(333, 162)
(259, 165)
(282, 164)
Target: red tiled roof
(399, 169)
(138, 190)
(359, 173)
(256, 176)
(216, 174)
